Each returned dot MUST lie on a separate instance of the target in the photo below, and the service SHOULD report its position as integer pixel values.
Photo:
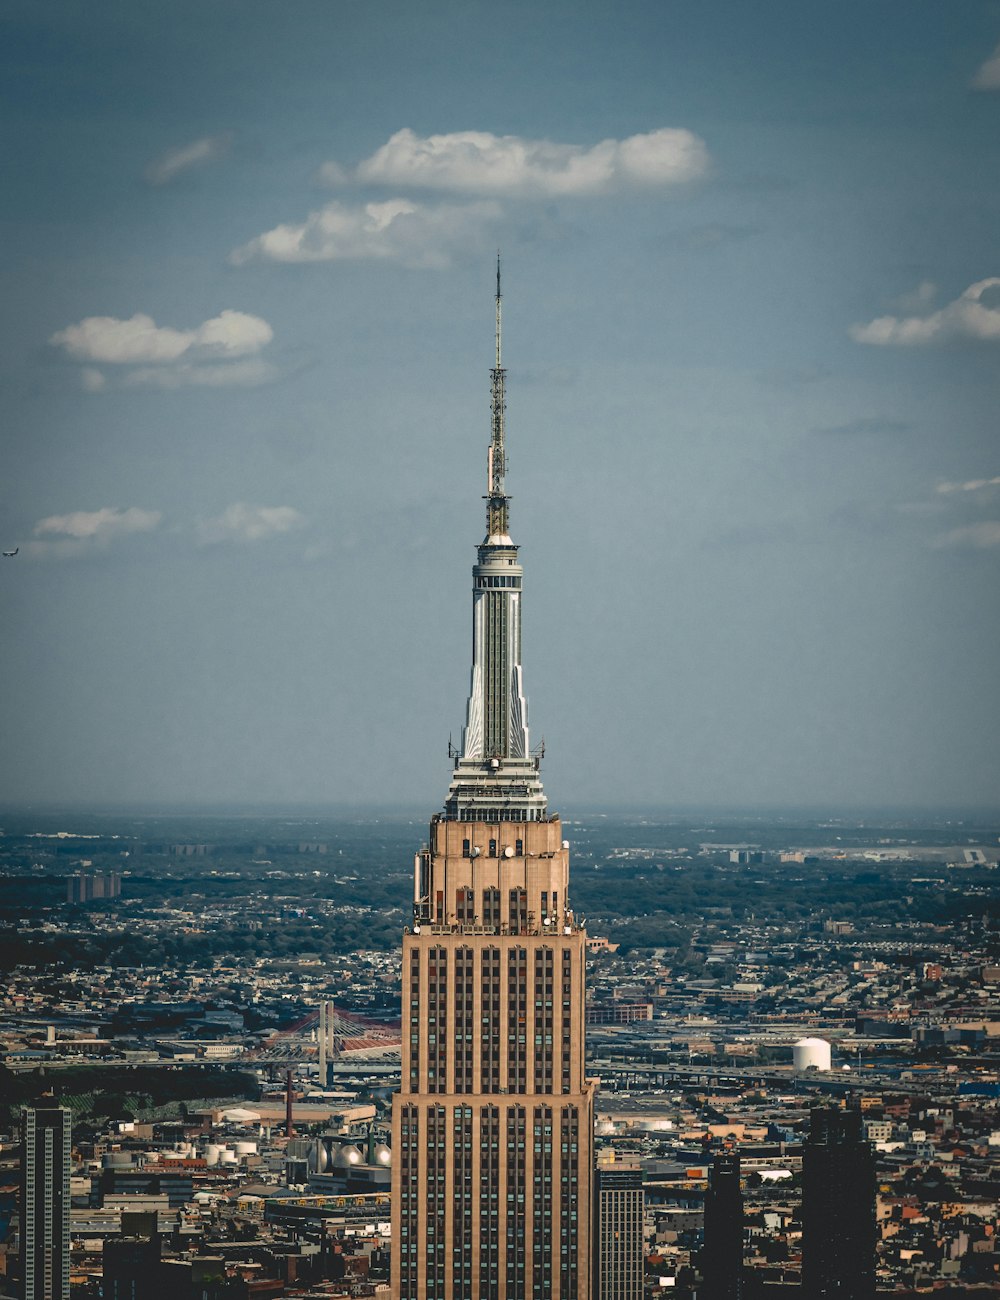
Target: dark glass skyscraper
(46, 1135)
(838, 1207)
(722, 1252)
(493, 1123)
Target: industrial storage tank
(212, 1152)
(811, 1054)
(246, 1148)
(347, 1156)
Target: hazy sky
(752, 329)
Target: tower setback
(493, 1123)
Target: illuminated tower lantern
(492, 1126)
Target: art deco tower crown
(496, 775)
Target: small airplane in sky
(9, 555)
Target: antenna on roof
(496, 496)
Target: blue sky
(752, 324)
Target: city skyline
(751, 277)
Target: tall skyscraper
(618, 1216)
(722, 1253)
(493, 1123)
(838, 1207)
(45, 1165)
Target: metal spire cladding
(496, 775)
(497, 507)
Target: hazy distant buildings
(722, 1252)
(618, 1013)
(618, 1215)
(86, 886)
(838, 1207)
(493, 1124)
(45, 1202)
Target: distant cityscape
(165, 1012)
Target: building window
(464, 907)
(489, 1020)
(517, 1020)
(464, 1020)
(516, 1186)
(437, 1019)
(489, 1218)
(543, 1020)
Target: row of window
(485, 580)
(424, 1208)
(517, 904)
(530, 1015)
(465, 809)
(494, 850)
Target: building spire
(496, 774)
(498, 309)
(497, 501)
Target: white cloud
(967, 317)
(197, 153)
(139, 339)
(64, 535)
(970, 485)
(424, 234)
(399, 230)
(478, 162)
(988, 75)
(244, 523)
(223, 351)
(100, 524)
(980, 537)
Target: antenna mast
(496, 498)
